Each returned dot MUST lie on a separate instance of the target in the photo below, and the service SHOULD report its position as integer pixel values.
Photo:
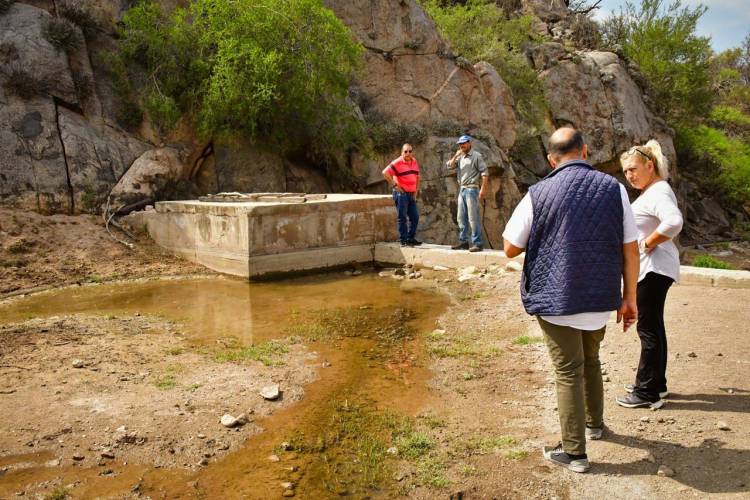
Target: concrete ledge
(308, 260)
(428, 255)
(714, 277)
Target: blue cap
(463, 139)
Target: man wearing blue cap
(472, 187)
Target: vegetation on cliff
(704, 96)
(276, 71)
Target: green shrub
(61, 33)
(710, 262)
(661, 38)
(731, 119)
(388, 135)
(730, 157)
(500, 41)
(276, 71)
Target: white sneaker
(557, 455)
(594, 433)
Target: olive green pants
(578, 376)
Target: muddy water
(213, 309)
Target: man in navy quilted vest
(580, 238)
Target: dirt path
(491, 405)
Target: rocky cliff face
(61, 149)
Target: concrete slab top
(234, 208)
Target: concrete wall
(252, 239)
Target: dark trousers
(406, 206)
(651, 378)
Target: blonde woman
(659, 221)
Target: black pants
(651, 378)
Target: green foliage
(59, 493)
(413, 444)
(527, 340)
(662, 40)
(494, 38)
(276, 71)
(61, 33)
(387, 135)
(268, 353)
(730, 158)
(731, 119)
(710, 262)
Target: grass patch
(433, 421)
(61, 33)
(527, 340)
(413, 444)
(431, 472)
(482, 445)
(175, 351)
(711, 262)
(59, 493)
(468, 470)
(267, 353)
(516, 454)
(166, 383)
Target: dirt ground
(38, 252)
(492, 409)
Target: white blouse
(656, 210)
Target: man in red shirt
(403, 176)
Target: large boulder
(412, 76)
(151, 175)
(33, 173)
(594, 92)
(24, 47)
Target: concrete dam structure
(260, 234)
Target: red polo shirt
(405, 173)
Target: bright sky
(727, 22)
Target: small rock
(665, 471)
(605, 378)
(325, 364)
(356, 272)
(392, 450)
(645, 419)
(514, 266)
(412, 276)
(122, 428)
(203, 462)
(78, 363)
(418, 275)
(54, 463)
(107, 454)
(288, 493)
(385, 274)
(287, 485)
(722, 425)
(468, 270)
(604, 371)
(78, 457)
(228, 420)
(270, 392)
(730, 391)
(201, 436)
(223, 446)
(440, 268)
(650, 458)
(465, 277)
(692, 355)
(273, 458)
(286, 446)
(242, 419)
(399, 272)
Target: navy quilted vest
(574, 256)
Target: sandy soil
(493, 406)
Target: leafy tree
(479, 30)
(276, 71)
(661, 39)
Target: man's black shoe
(475, 248)
(406, 244)
(461, 245)
(414, 243)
